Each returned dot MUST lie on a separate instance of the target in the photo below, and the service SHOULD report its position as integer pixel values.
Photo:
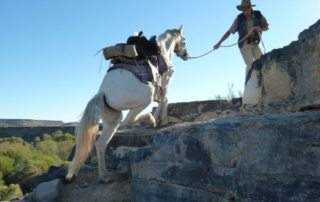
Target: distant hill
(29, 123)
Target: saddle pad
(143, 72)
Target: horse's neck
(167, 51)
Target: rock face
(29, 123)
(244, 158)
(290, 75)
(203, 110)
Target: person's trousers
(250, 52)
(252, 92)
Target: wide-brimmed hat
(244, 3)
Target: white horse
(121, 90)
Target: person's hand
(215, 47)
(257, 29)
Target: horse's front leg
(156, 114)
(164, 111)
(161, 114)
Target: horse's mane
(169, 34)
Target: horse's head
(180, 47)
(173, 41)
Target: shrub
(59, 144)
(6, 165)
(2, 183)
(47, 146)
(10, 192)
(20, 161)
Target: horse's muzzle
(185, 56)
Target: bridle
(180, 48)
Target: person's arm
(224, 37)
(259, 29)
(232, 30)
(264, 25)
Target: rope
(200, 56)
(227, 46)
(264, 48)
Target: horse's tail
(86, 132)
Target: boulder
(244, 158)
(289, 77)
(44, 192)
(202, 110)
(47, 191)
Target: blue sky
(47, 63)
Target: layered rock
(29, 123)
(244, 158)
(203, 110)
(240, 158)
(289, 76)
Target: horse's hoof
(67, 180)
(112, 178)
(104, 181)
(161, 125)
(84, 185)
(154, 125)
(164, 123)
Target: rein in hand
(228, 46)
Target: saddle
(145, 48)
(145, 60)
(141, 57)
(137, 48)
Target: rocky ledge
(244, 158)
(288, 78)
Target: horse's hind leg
(134, 117)
(146, 118)
(111, 121)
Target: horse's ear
(181, 29)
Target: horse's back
(124, 91)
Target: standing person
(249, 25)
